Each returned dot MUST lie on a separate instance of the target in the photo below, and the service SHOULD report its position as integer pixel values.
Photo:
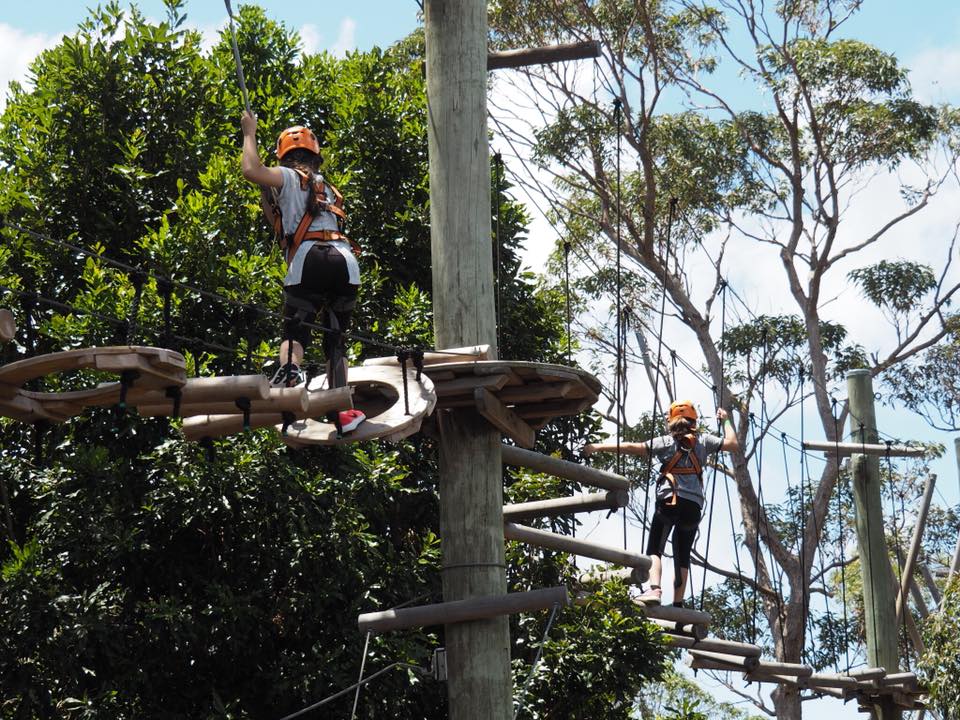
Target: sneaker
(651, 596)
(350, 420)
(288, 376)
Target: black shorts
(683, 519)
(324, 290)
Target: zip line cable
(163, 280)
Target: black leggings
(683, 519)
(324, 286)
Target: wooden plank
(780, 668)
(556, 408)
(631, 576)
(846, 449)
(460, 354)
(561, 468)
(711, 645)
(218, 388)
(479, 608)
(280, 400)
(523, 57)
(26, 409)
(466, 385)
(704, 660)
(535, 392)
(503, 418)
(565, 543)
(694, 631)
(831, 680)
(609, 500)
(675, 614)
(8, 325)
(201, 426)
(156, 361)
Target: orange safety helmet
(682, 408)
(297, 136)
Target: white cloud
(17, 51)
(346, 39)
(310, 39)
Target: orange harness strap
(670, 468)
(301, 233)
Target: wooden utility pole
(879, 598)
(479, 684)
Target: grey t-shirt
(688, 484)
(292, 200)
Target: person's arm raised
(628, 448)
(253, 168)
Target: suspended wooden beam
(846, 449)
(631, 576)
(543, 55)
(771, 667)
(831, 680)
(676, 614)
(503, 418)
(280, 400)
(550, 465)
(435, 357)
(610, 500)
(691, 630)
(457, 611)
(712, 645)
(226, 388)
(319, 403)
(705, 660)
(584, 548)
(870, 673)
(8, 326)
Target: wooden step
(584, 548)
(610, 500)
(550, 465)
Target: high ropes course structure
(466, 398)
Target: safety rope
(656, 377)
(536, 661)
(842, 523)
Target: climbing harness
(328, 200)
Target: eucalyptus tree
(764, 173)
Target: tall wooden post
(479, 684)
(879, 599)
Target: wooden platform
(378, 392)
(515, 396)
(144, 367)
(8, 326)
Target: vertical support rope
(536, 660)
(363, 665)
(619, 380)
(719, 397)
(656, 378)
(840, 520)
(498, 165)
(902, 630)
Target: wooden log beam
(832, 680)
(589, 502)
(722, 662)
(436, 357)
(631, 576)
(503, 418)
(867, 674)
(698, 632)
(280, 400)
(780, 668)
(675, 614)
(457, 611)
(206, 389)
(550, 465)
(319, 403)
(8, 325)
(728, 647)
(905, 680)
(584, 548)
(543, 55)
(845, 449)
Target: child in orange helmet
(322, 271)
(680, 499)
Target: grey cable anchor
(243, 403)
